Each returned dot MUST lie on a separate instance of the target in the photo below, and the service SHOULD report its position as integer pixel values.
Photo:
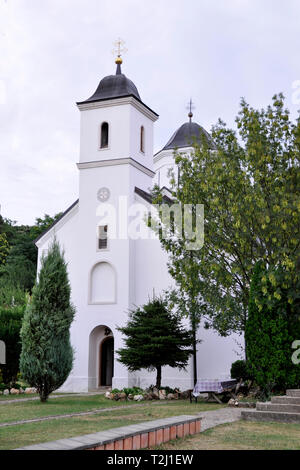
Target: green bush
(10, 326)
(133, 391)
(239, 370)
(269, 334)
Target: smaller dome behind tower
(187, 134)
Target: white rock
(138, 397)
(6, 392)
(14, 391)
(171, 396)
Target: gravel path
(215, 417)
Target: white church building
(111, 272)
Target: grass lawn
(55, 406)
(23, 396)
(242, 435)
(32, 433)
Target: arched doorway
(101, 357)
(106, 361)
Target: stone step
(286, 400)
(271, 416)
(293, 392)
(278, 407)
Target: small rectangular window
(102, 237)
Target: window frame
(100, 135)
(142, 139)
(106, 248)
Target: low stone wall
(133, 437)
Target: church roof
(187, 134)
(114, 86)
(148, 197)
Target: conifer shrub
(154, 337)
(47, 356)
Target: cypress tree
(47, 356)
(155, 338)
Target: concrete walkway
(213, 418)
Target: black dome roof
(114, 86)
(186, 135)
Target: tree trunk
(44, 393)
(195, 356)
(158, 377)
(194, 333)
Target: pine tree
(47, 356)
(155, 338)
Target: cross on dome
(190, 106)
(119, 49)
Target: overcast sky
(54, 53)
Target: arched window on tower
(104, 135)
(142, 140)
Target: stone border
(133, 437)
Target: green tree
(155, 338)
(249, 186)
(47, 355)
(10, 326)
(21, 259)
(270, 332)
(42, 224)
(4, 248)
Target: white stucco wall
(140, 266)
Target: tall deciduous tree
(47, 356)
(154, 338)
(249, 186)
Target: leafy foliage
(154, 338)
(18, 253)
(270, 332)
(10, 326)
(239, 370)
(47, 355)
(4, 248)
(250, 190)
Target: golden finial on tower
(119, 49)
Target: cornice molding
(118, 102)
(170, 152)
(114, 162)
